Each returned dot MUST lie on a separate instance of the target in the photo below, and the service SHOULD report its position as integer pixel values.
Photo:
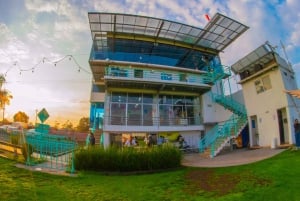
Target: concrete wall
(264, 107)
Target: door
(283, 125)
(254, 131)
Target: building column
(106, 139)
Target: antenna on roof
(285, 54)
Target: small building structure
(265, 76)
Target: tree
(2, 80)
(5, 98)
(21, 116)
(83, 124)
(67, 125)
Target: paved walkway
(230, 158)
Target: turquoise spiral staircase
(221, 134)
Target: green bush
(127, 159)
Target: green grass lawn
(277, 178)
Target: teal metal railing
(223, 131)
(57, 152)
(48, 151)
(218, 72)
(144, 74)
(229, 103)
(226, 130)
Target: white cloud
(11, 49)
(41, 5)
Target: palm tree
(5, 96)
(2, 80)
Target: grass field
(277, 178)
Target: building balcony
(155, 124)
(157, 79)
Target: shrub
(128, 159)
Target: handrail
(152, 121)
(229, 128)
(230, 104)
(133, 73)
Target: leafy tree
(67, 125)
(83, 124)
(5, 122)
(56, 125)
(2, 80)
(5, 98)
(21, 116)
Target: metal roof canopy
(260, 56)
(220, 32)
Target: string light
(47, 60)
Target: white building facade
(264, 77)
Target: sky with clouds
(36, 37)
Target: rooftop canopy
(259, 58)
(220, 32)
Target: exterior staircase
(222, 134)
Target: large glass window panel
(165, 99)
(166, 115)
(106, 18)
(266, 82)
(141, 21)
(134, 114)
(153, 23)
(138, 73)
(147, 98)
(189, 100)
(94, 17)
(118, 114)
(148, 110)
(119, 97)
(134, 98)
(190, 115)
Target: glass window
(258, 86)
(138, 73)
(118, 114)
(266, 82)
(119, 97)
(147, 98)
(189, 100)
(166, 76)
(98, 88)
(183, 77)
(263, 84)
(148, 114)
(134, 98)
(165, 99)
(134, 114)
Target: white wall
(265, 105)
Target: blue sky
(31, 30)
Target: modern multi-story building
(154, 77)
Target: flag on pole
(207, 17)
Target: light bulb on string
(55, 64)
(78, 70)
